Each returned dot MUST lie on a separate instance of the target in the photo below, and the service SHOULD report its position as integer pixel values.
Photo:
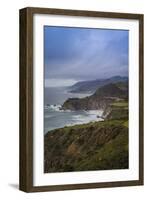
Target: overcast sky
(75, 54)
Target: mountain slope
(93, 146)
(91, 86)
(110, 90)
(103, 97)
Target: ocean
(55, 118)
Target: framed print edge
(26, 100)
(141, 99)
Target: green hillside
(93, 146)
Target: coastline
(95, 145)
(68, 117)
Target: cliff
(93, 146)
(103, 97)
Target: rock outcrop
(103, 97)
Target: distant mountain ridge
(111, 90)
(93, 85)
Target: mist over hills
(93, 85)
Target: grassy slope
(113, 155)
(92, 146)
(120, 104)
(118, 110)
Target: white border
(41, 179)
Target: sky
(79, 54)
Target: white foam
(95, 112)
(53, 107)
(92, 115)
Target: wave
(56, 107)
(99, 113)
(90, 117)
(48, 116)
(57, 118)
(53, 107)
(77, 120)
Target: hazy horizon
(69, 82)
(81, 54)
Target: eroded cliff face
(88, 103)
(101, 99)
(93, 146)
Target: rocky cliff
(103, 97)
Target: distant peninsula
(92, 85)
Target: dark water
(54, 95)
(56, 118)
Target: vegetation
(120, 104)
(93, 146)
(102, 98)
(99, 145)
(126, 123)
(93, 85)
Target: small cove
(55, 118)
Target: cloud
(77, 53)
